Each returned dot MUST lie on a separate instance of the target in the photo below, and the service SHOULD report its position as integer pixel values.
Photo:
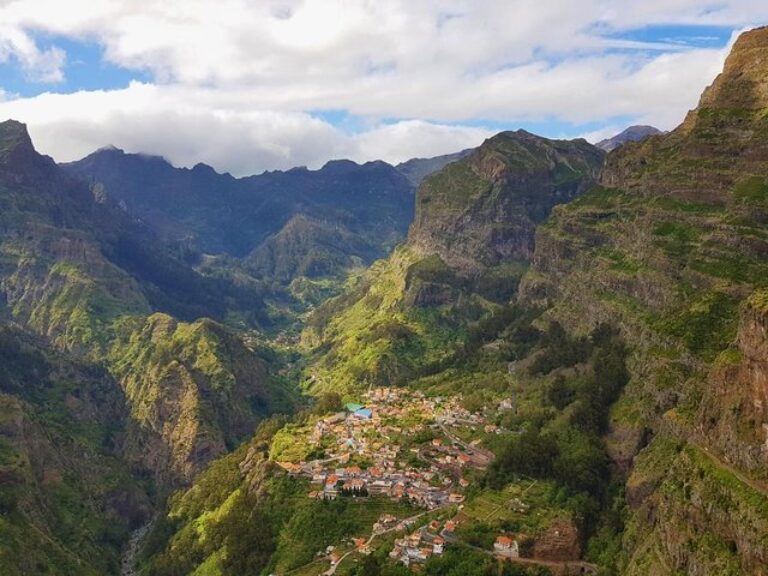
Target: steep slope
(195, 391)
(673, 248)
(67, 501)
(466, 251)
(483, 210)
(631, 134)
(81, 272)
(293, 214)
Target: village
(429, 475)
(398, 444)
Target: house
(455, 498)
(424, 553)
(438, 545)
(380, 488)
(355, 485)
(463, 482)
(506, 546)
(363, 414)
(336, 418)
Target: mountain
(631, 134)
(566, 358)
(421, 322)
(468, 247)
(672, 248)
(119, 380)
(67, 500)
(482, 211)
(417, 169)
(282, 225)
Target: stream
(128, 560)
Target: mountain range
(169, 337)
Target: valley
(533, 357)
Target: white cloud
(186, 127)
(235, 82)
(39, 65)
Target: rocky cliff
(482, 211)
(79, 271)
(671, 247)
(194, 392)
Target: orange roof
(504, 540)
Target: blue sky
(252, 86)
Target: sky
(253, 85)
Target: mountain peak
(744, 80)
(14, 136)
(631, 134)
(20, 163)
(341, 165)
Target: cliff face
(82, 273)
(67, 499)
(733, 416)
(671, 247)
(482, 211)
(468, 246)
(194, 392)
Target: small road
(754, 484)
(487, 455)
(583, 567)
(332, 569)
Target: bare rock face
(734, 413)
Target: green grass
(707, 326)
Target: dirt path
(754, 484)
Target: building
(506, 546)
(363, 414)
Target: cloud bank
(247, 85)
